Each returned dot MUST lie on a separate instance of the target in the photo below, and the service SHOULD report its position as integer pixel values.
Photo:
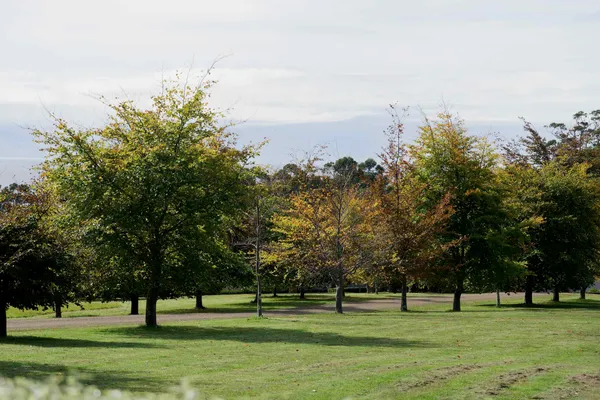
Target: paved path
(359, 306)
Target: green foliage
(156, 188)
(365, 172)
(481, 232)
(34, 263)
(565, 250)
(163, 202)
(568, 242)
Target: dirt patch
(584, 386)
(438, 375)
(586, 379)
(505, 381)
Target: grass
(90, 309)
(216, 303)
(550, 352)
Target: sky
(299, 72)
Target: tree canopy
(157, 185)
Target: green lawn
(217, 303)
(546, 352)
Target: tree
(567, 244)
(212, 270)
(156, 184)
(253, 233)
(407, 229)
(345, 166)
(67, 252)
(580, 142)
(30, 262)
(327, 227)
(531, 150)
(451, 162)
(115, 275)
(572, 145)
(370, 169)
(365, 172)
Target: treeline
(164, 203)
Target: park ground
(303, 350)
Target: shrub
(57, 388)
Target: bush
(70, 389)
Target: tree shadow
(319, 309)
(315, 299)
(208, 310)
(50, 342)
(550, 305)
(262, 335)
(284, 303)
(115, 379)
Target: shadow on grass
(549, 305)
(224, 310)
(262, 335)
(114, 379)
(281, 303)
(50, 342)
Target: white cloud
(305, 60)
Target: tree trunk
(274, 291)
(259, 311)
(338, 300)
(529, 291)
(498, 298)
(57, 305)
(199, 305)
(3, 322)
(457, 293)
(582, 292)
(339, 295)
(404, 303)
(456, 302)
(302, 294)
(135, 304)
(151, 301)
(556, 294)
(376, 288)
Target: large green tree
(478, 234)
(536, 158)
(156, 183)
(567, 243)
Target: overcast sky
(300, 72)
